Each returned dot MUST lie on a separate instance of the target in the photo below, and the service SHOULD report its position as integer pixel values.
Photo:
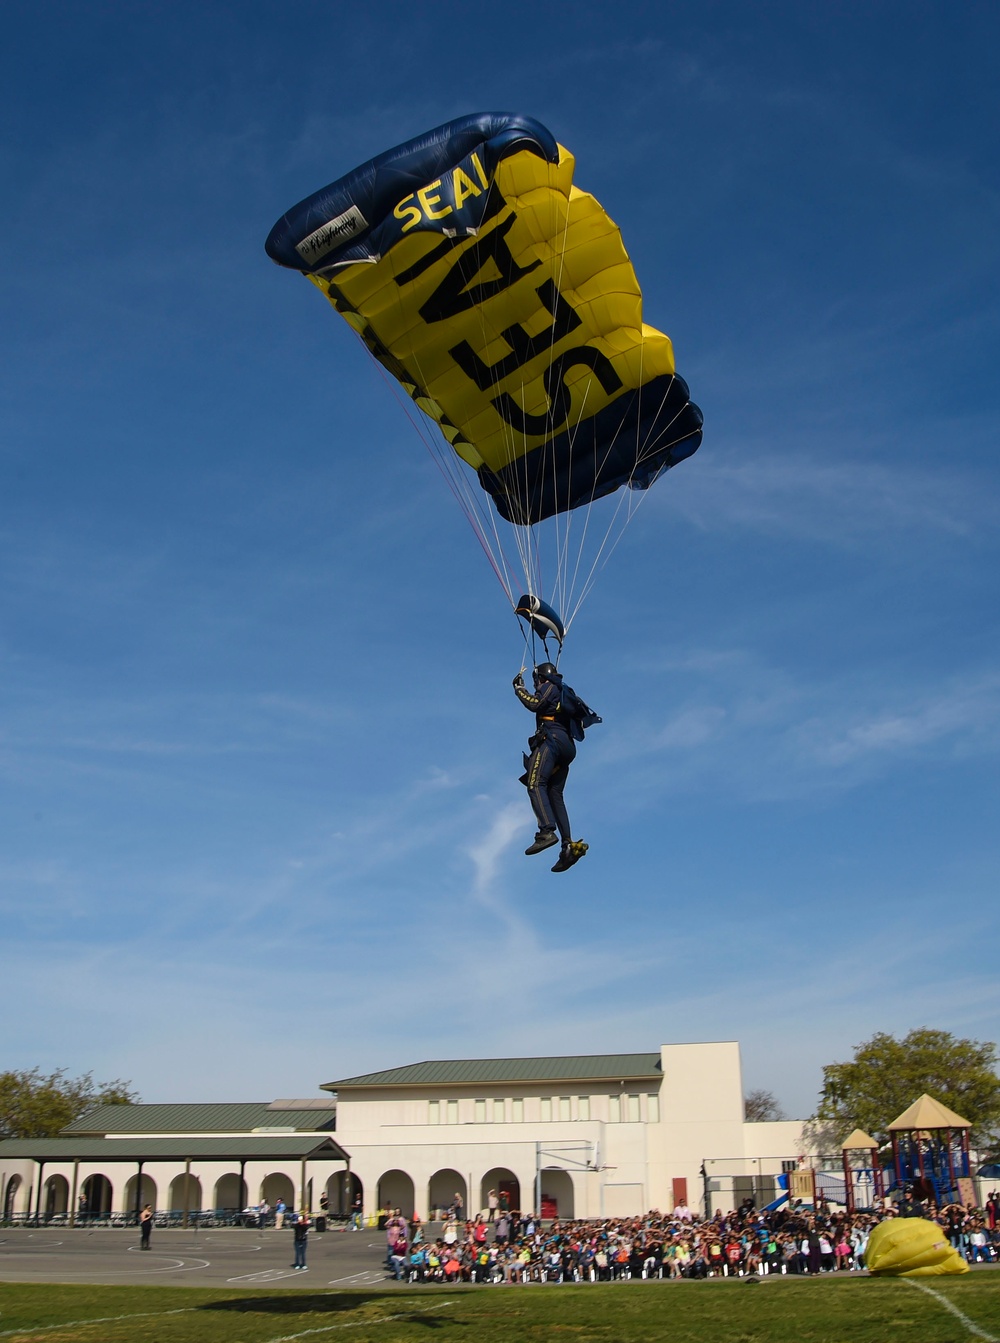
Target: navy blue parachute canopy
(541, 617)
(354, 219)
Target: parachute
(911, 1247)
(501, 298)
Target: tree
(887, 1075)
(33, 1105)
(760, 1105)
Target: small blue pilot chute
(542, 619)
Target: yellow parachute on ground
(910, 1247)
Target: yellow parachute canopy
(910, 1247)
(503, 300)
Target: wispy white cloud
(963, 717)
(746, 729)
(844, 503)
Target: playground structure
(930, 1153)
(864, 1184)
(930, 1156)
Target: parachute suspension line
(524, 543)
(561, 547)
(565, 521)
(523, 633)
(605, 551)
(571, 609)
(463, 497)
(598, 563)
(478, 512)
(567, 583)
(633, 504)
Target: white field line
(101, 1319)
(971, 1325)
(265, 1275)
(361, 1324)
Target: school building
(569, 1136)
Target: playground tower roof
(927, 1113)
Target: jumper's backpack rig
(581, 716)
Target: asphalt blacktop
(227, 1257)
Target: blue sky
(261, 825)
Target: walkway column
(187, 1189)
(72, 1197)
(38, 1200)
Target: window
(653, 1108)
(788, 1165)
(564, 1107)
(614, 1109)
(546, 1109)
(633, 1109)
(480, 1113)
(583, 1107)
(434, 1112)
(517, 1115)
(498, 1112)
(453, 1112)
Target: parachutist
(560, 720)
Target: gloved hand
(518, 681)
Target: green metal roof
(202, 1118)
(563, 1068)
(259, 1147)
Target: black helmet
(545, 671)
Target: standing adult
(279, 1214)
(396, 1230)
(492, 1203)
(301, 1239)
(458, 1206)
(356, 1211)
(263, 1213)
(145, 1226)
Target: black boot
(543, 840)
(572, 851)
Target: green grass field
(830, 1311)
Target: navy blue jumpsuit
(553, 750)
